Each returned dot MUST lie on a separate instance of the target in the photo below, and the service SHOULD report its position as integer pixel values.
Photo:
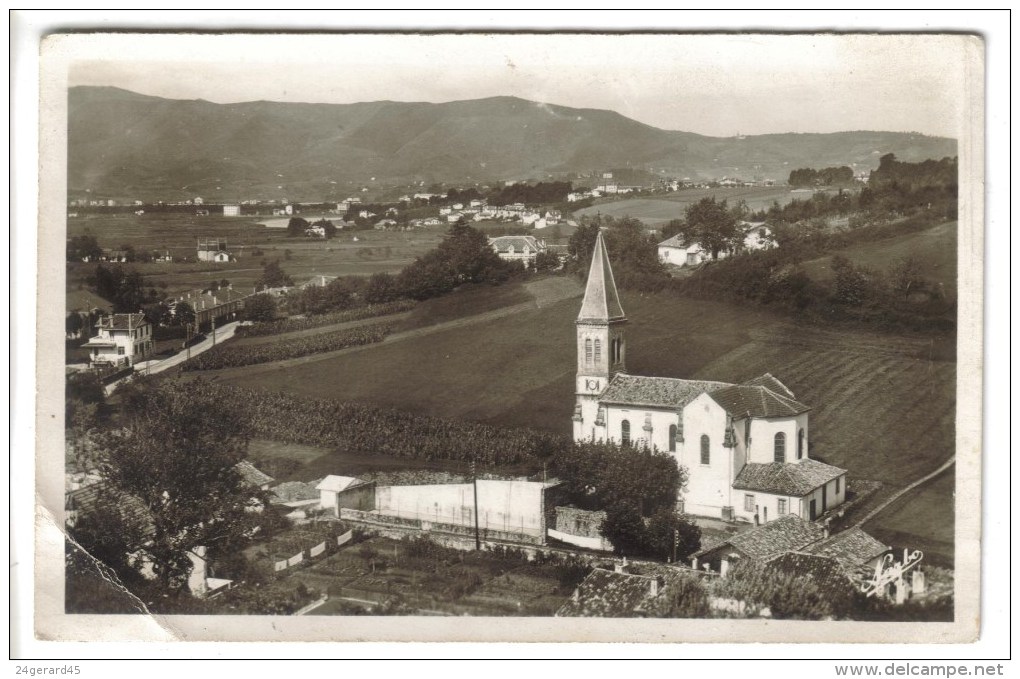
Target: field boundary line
(896, 496)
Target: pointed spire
(601, 301)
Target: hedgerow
(294, 324)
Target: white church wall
(708, 485)
(763, 437)
(660, 421)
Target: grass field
(934, 248)
(655, 211)
(374, 251)
(923, 519)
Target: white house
(523, 249)
(674, 250)
(231, 210)
(745, 446)
(213, 250)
(123, 340)
(757, 236)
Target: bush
(349, 315)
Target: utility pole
(213, 321)
(474, 482)
(676, 542)
(187, 341)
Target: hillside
(125, 145)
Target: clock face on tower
(592, 385)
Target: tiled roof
(131, 510)
(770, 382)
(787, 533)
(608, 594)
(294, 491)
(122, 321)
(786, 478)
(504, 243)
(824, 571)
(754, 401)
(676, 241)
(252, 475)
(655, 391)
(850, 548)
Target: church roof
(757, 401)
(785, 534)
(601, 301)
(770, 382)
(795, 479)
(661, 392)
(850, 548)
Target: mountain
(132, 146)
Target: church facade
(745, 446)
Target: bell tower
(601, 350)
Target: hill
(125, 145)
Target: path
(544, 292)
(152, 367)
(896, 496)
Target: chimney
(617, 567)
(653, 586)
(825, 529)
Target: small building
(346, 492)
(761, 544)
(253, 476)
(618, 594)
(580, 527)
(213, 250)
(122, 340)
(231, 210)
(757, 236)
(674, 250)
(523, 249)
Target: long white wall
(502, 505)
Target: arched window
(625, 432)
(672, 438)
(780, 454)
(706, 455)
(587, 351)
(800, 444)
(598, 350)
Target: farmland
(374, 251)
(934, 248)
(655, 211)
(922, 519)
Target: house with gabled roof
(745, 446)
(121, 340)
(523, 249)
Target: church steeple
(601, 302)
(600, 344)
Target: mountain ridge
(130, 145)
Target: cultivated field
(374, 251)
(922, 519)
(655, 211)
(935, 249)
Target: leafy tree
(625, 528)
(176, 454)
(906, 276)
(260, 308)
(381, 288)
(73, 324)
(296, 227)
(667, 525)
(788, 595)
(273, 276)
(327, 226)
(81, 247)
(183, 314)
(546, 261)
(710, 224)
(124, 289)
(683, 597)
(851, 282)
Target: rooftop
(294, 491)
(762, 543)
(756, 401)
(121, 321)
(102, 496)
(608, 594)
(786, 478)
(656, 392)
(252, 475)
(518, 243)
(850, 548)
(825, 572)
(337, 484)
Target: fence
(317, 550)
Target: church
(745, 446)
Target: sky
(720, 85)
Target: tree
(906, 276)
(183, 314)
(381, 288)
(666, 527)
(176, 454)
(711, 225)
(296, 227)
(260, 308)
(546, 261)
(328, 227)
(84, 247)
(851, 282)
(73, 324)
(625, 528)
(273, 276)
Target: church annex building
(745, 446)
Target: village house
(122, 340)
(523, 249)
(745, 445)
(346, 492)
(231, 210)
(213, 305)
(757, 236)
